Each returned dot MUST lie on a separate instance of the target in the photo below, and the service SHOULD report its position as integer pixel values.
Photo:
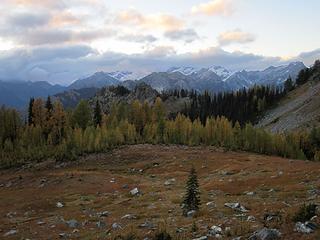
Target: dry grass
(86, 187)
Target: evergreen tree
(288, 85)
(97, 117)
(49, 105)
(30, 113)
(191, 200)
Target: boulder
(59, 205)
(103, 214)
(101, 224)
(307, 227)
(215, 230)
(72, 223)
(266, 234)
(201, 238)
(10, 233)
(116, 226)
(170, 182)
(191, 213)
(236, 206)
(134, 192)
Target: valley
(90, 198)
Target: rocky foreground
(138, 189)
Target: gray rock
(236, 206)
(59, 205)
(210, 204)
(135, 192)
(10, 233)
(191, 213)
(201, 238)
(215, 230)
(101, 224)
(72, 223)
(170, 182)
(147, 224)
(251, 219)
(266, 234)
(116, 226)
(305, 227)
(103, 214)
(129, 216)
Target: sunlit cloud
(149, 21)
(235, 36)
(214, 7)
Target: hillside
(142, 92)
(90, 198)
(17, 93)
(300, 109)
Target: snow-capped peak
(220, 71)
(184, 70)
(127, 75)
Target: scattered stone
(156, 164)
(62, 235)
(103, 214)
(201, 238)
(307, 227)
(72, 223)
(41, 223)
(101, 224)
(251, 219)
(112, 180)
(215, 231)
(11, 214)
(129, 216)
(236, 206)
(134, 192)
(272, 217)
(210, 204)
(125, 186)
(191, 213)
(116, 226)
(250, 193)
(10, 233)
(237, 238)
(147, 224)
(59, 205)
(266, 234)
(170, 182)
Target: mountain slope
(97, 80)
(71, 98)
(300, 109)
(17, 94)
(269, 76)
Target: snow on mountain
(127, 75)
(188, 71)
(184, 70)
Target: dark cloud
(138, 38)
(27, 20)
(309, 57)
(66, 64)
(187, 35)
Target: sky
(62, 40)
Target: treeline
(52, 132)
(242, 106)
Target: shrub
(305, 213)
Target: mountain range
(213, 79)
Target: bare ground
(99, 183)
